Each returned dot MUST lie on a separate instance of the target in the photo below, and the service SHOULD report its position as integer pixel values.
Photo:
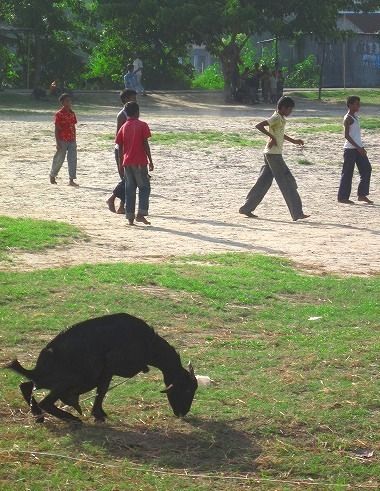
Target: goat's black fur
(87, 356)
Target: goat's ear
(191, 370)
(168, 389)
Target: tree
(53, 25)
(153, 29)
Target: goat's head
(181, 392)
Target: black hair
(352, 99)
(285, 101)
(130, 66)
(64, 96)
(127, 94)
(132, 109)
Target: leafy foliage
(305, 74)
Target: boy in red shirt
(134, 154)
(65, 135)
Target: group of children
(134, 159)
(271, 83)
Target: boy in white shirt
(354, 153)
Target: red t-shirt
(66, 121)
(132, 135)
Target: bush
(305, 74)
(210, 79)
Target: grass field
(294, 402)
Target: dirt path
(196, 192)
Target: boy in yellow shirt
(275, 166)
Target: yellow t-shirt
(277, 129)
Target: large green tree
(54, 27)
(153, 29)
(164, 29)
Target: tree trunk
(230, 58)
(38, 59)
(320, 83)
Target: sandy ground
(196, 192)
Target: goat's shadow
(206, 446)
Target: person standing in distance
(65, 136)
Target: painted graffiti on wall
(370, 52)
(371, 61)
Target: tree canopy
(111, 33)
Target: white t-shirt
(136, 65)
(354, 132)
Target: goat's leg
(48, 404)
(27, 390)
(72, 400)
(101, 391)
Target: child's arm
(121, 157)
(347, 123)
(261, 127)
(56, 132)
(147, 151)
(292, 140)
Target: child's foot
(74, 184)
(121, 210)
(111, 205)
(365, 199)
(142, 219)
(301, 217)
(346, 201)
(52, 180)
(131, 221)
(248, 214)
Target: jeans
(275, 167)
(136, 176)
(119, 190)
(352, 157)
(69, 148)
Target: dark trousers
(352, 157)
(119, 190)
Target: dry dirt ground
(196, 190)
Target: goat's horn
(168, 389)
(191, 369)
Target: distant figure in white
(138, 68)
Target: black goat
(90, 353)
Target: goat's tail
(17, 367)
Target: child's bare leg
(121, 209)
(111, 203)
(141, 218)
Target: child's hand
(273, 142)
(299, 142)
(362, 151)
(151, 166)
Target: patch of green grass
(199, 138)
(205, 138)
(29, 235)
(293, 398)
(367, 96)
